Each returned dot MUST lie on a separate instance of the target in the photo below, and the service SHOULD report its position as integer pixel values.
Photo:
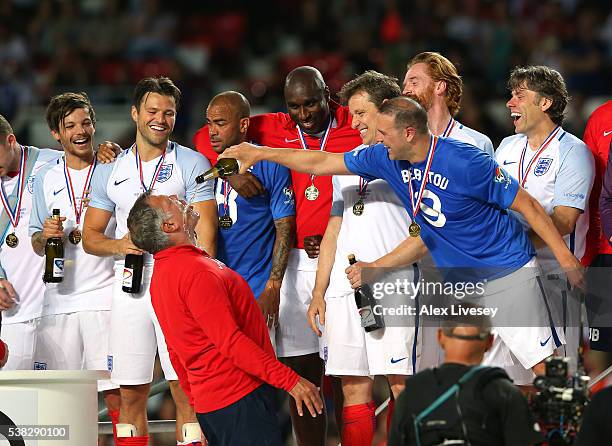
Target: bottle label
(58, 267)
(128, 275)
(367, 316)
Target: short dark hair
(378, 86)
(161, 85)
(547, 83)
(144, 223)
(63, 104)
(406, 113)
(5, 127)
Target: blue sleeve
(277, 181)
(40, 212)
(98, 188)
(484, 179)
(575, 178)
(368, 162)
(337, 209)
(193, 164)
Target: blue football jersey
(463, 217)
(247, 246)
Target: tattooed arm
(269, 299)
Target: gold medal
(414, 229)
(311, 192)
(225, 222)
(75, 236)
(358, 208)
(12, 240)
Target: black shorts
(250, 421)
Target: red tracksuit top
(216, 335)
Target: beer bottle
(224, 168)
(54, 257)
(365, 304)
(132, 273)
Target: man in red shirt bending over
(313, 122)
(216, 335)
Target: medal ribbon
(14, 215)
(363, 187)
(415, 209)
(524, 173)
(157, 169)
(323, 142)
(227, 189)
(449, 128)
(78, 211)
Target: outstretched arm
(307, 161)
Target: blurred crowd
(105, 46)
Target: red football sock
(358, 424)
(390, 408)
(114, 416)
(133, 441)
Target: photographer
(461, 400)
(597, 422)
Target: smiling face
(155, 118)
(392, 137)
(76, 131)
(180, 217)
(527, 109)
(364, 115)
(308, 106)
(419, 85)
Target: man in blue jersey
(458, 197)
(255, 234)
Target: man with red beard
(432, 80)
(313, 122)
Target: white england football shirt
(115, 187)
(88, 279)
(463, 133)
(560, 175)
(23, 267)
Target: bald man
(314, 123)
(256, 233)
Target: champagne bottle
(132, 273)
(365, 304)
(224, 168)
(54, 257)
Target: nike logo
(55, 192)
(292, 140)
(117, 183)
(509, 162)
(607, 133)
(542, 344)
(395, 361)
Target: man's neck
(463, 361)
(79, 162)
(146, 151)
(538, 135)
(420, 149)
(438, 117)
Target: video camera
(559, 402)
